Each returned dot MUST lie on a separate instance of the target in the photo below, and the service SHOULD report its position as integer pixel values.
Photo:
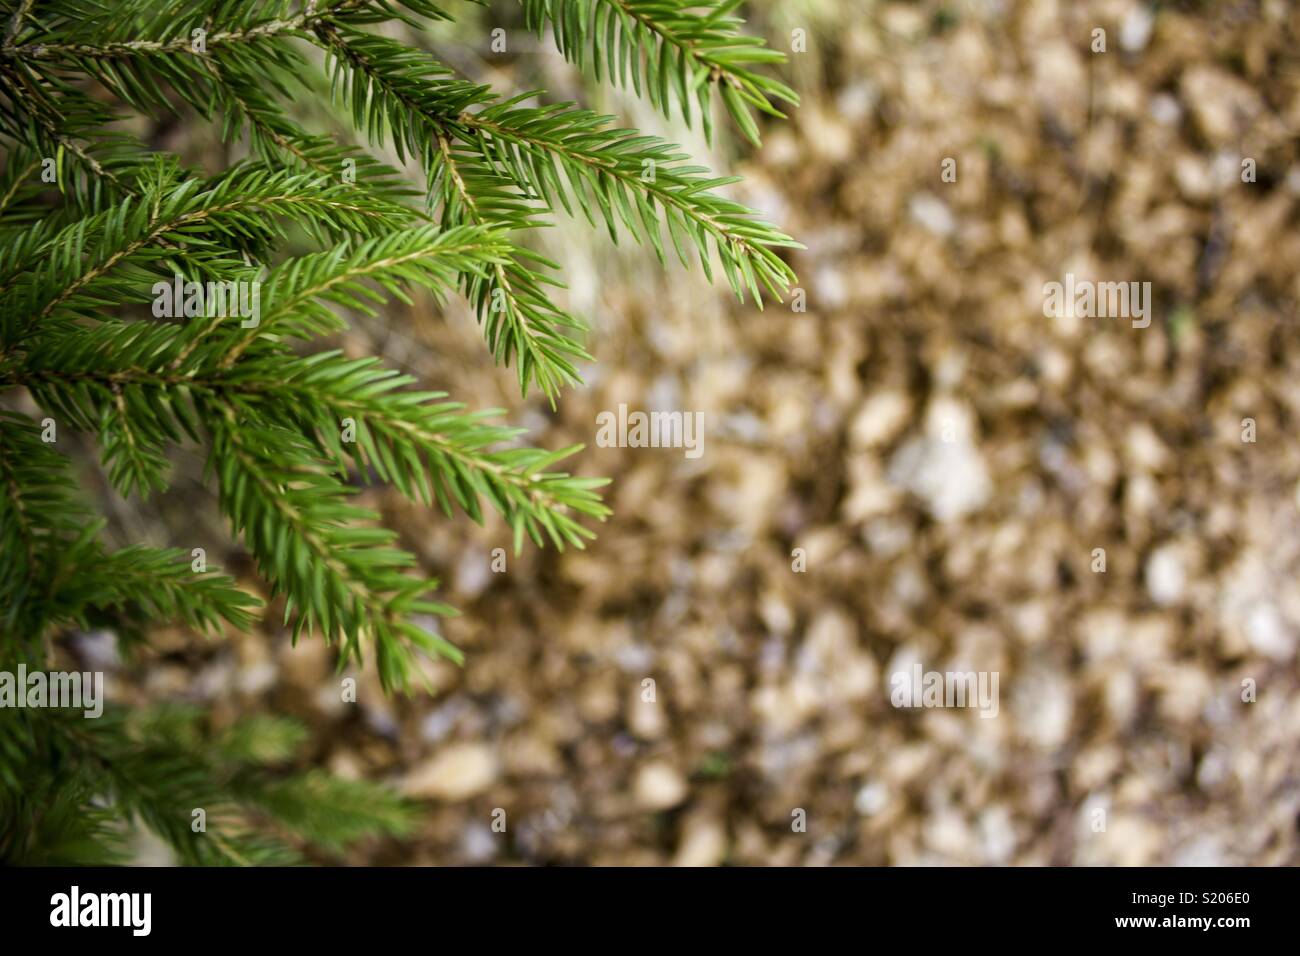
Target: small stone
(932, 214)
(455, 773)
(645, 718)
(1223, 105)
(1165, 109)
(1166, 579)
(659, 786)
(473, 573)
(880, 418)
(944, 468)
(704, 843)
(871, 799)
(1268, 634)
(1135, 31)
(479, 844)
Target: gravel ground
(918, 469)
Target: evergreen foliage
(91, 219)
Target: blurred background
(946, 460)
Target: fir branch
(296, 292)
(512, 302)
(18, 183)
(156, 767)
(396, 89)
(136, 232)
(115, 22)
(16, 22)
(54, 570)
(669, 49)
(337, 570)
(615, 169)
(135, 586)
(39, 515)
(428, 448)
(275, 137)
(290, 434)
(452, 462)
(608, 168)
(51, 122)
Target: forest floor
(920, 469)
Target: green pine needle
(96, 229)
